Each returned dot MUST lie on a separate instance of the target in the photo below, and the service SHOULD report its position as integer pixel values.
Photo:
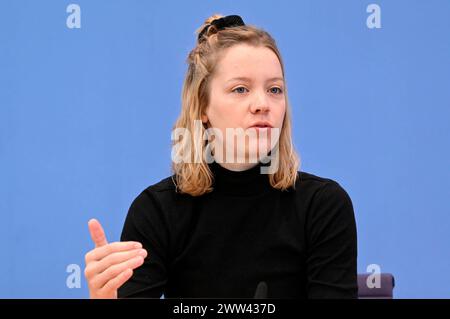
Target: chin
(254, 154)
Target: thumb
(97, 233)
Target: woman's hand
(109, 266)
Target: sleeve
(145, 223)
(331, 263)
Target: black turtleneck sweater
(301, 242)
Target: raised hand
(109, 266)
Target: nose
(260, 104)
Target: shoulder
(164, 185)
(314, 183)
(150, 207)
(329, 206)
(322, 192)
(311, 179)
(160, 195)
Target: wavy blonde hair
(195, 178)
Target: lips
(262, 125)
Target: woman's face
(247, 89)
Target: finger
(114, 259)
(118, 281)
(101, 279)
(98, 254)
(97, 233)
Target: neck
(239, 180)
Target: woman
(222, 228)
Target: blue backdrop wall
(86, 112)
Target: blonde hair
(195, 178)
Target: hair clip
(222, 23)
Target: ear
(204, 118)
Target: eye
(279, 90)
(241, 87)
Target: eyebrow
(243, 78)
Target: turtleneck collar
(240, 183)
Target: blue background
(86, 116)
